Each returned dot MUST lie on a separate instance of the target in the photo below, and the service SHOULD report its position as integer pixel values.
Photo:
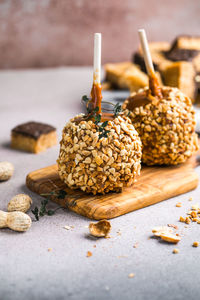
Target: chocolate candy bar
(33, 137)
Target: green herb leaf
(35, 212)
(43, 207)
(104, 124)
(97, 119)
(62, 194)
(96, 109)
(85, 98)
(50, 212)
(117, 109)
(104, 133)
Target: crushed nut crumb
(195, 244)
(175, 251)
(89, 254)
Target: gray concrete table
(29, 271)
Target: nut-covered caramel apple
(165, 123)
(99, 164)
(163, 117)
(99, 152)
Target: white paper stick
(97, 59)
(146, 52)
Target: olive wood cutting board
(155, 184)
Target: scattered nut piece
(179, 204)
(173, 226)
(187, 220)
(190, 199)
(170, 238)
(182, 219)
(195, 244)
(100, 229)
(195, 206)
(67, 227)
(20, 202)
(131, 275)
(16, 220)
(49, 249)
(6, 170)
(175, 251)
(157, 231)
(89, 254)
(136, 245)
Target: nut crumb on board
(190, 199)
(179, 204)
(49, 249)
(131, 275)
(175, 251)
(136, 245)
(195, 244)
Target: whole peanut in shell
(21, 202)
(6, 170)
(16, 220)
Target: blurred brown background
(46, 33)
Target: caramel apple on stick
(154, 86)
(99, 152)
(164, 118)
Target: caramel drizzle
(154, 86)
(96, 95)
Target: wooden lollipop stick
(154, 86)
(97, 59)
(96, 88)
(146, 52)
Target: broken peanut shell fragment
(100, 229)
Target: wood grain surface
(154, 185)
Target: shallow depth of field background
(46, 33)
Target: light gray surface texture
(28, 271)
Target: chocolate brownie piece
(181, 54)
(33, 137)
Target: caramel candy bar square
(125, 75)
(33, 137)
(186, 42)
(180, 74)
